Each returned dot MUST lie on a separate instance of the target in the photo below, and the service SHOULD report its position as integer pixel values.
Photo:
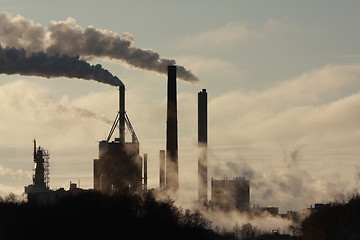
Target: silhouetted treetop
(91, 214)
(334, 222)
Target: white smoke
(66, 37)
(265, 221)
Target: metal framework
(128, 125)
(41, 168)
(46, 156)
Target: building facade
(230, 194)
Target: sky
(283, 83)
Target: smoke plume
(66, 37)
(16, 61)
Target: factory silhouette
(120, 203)
(119, 167)
(120, 197)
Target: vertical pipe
(202, 146)
(162, 168)
(122, 113)
(172, 176)
(34, 149)
(145, 171)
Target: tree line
(130, 215)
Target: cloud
(306, 103)
(310, 121)
(230, 33)
(214, 71)
(15, 174)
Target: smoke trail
(15, 61)
(66, 37)
(80, 112)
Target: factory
(119, 165)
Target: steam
(66, 37)
(293, 186)
(16, 61)
(76, 112)
(264, 221)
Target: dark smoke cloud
(16, 61)
(66, 37)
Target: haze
(283, 81)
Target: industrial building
(119, 165)
(230, 194)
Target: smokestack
(145, 171)
(162, 168)
(122, 113)
(172, 176)
(202, 146)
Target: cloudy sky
(283, 81)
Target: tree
(248, 232)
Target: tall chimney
(172, 175)
(202, 146)
(162, 168)
(122, 113)
(145, 171)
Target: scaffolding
(46, 156)
(41, 169)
